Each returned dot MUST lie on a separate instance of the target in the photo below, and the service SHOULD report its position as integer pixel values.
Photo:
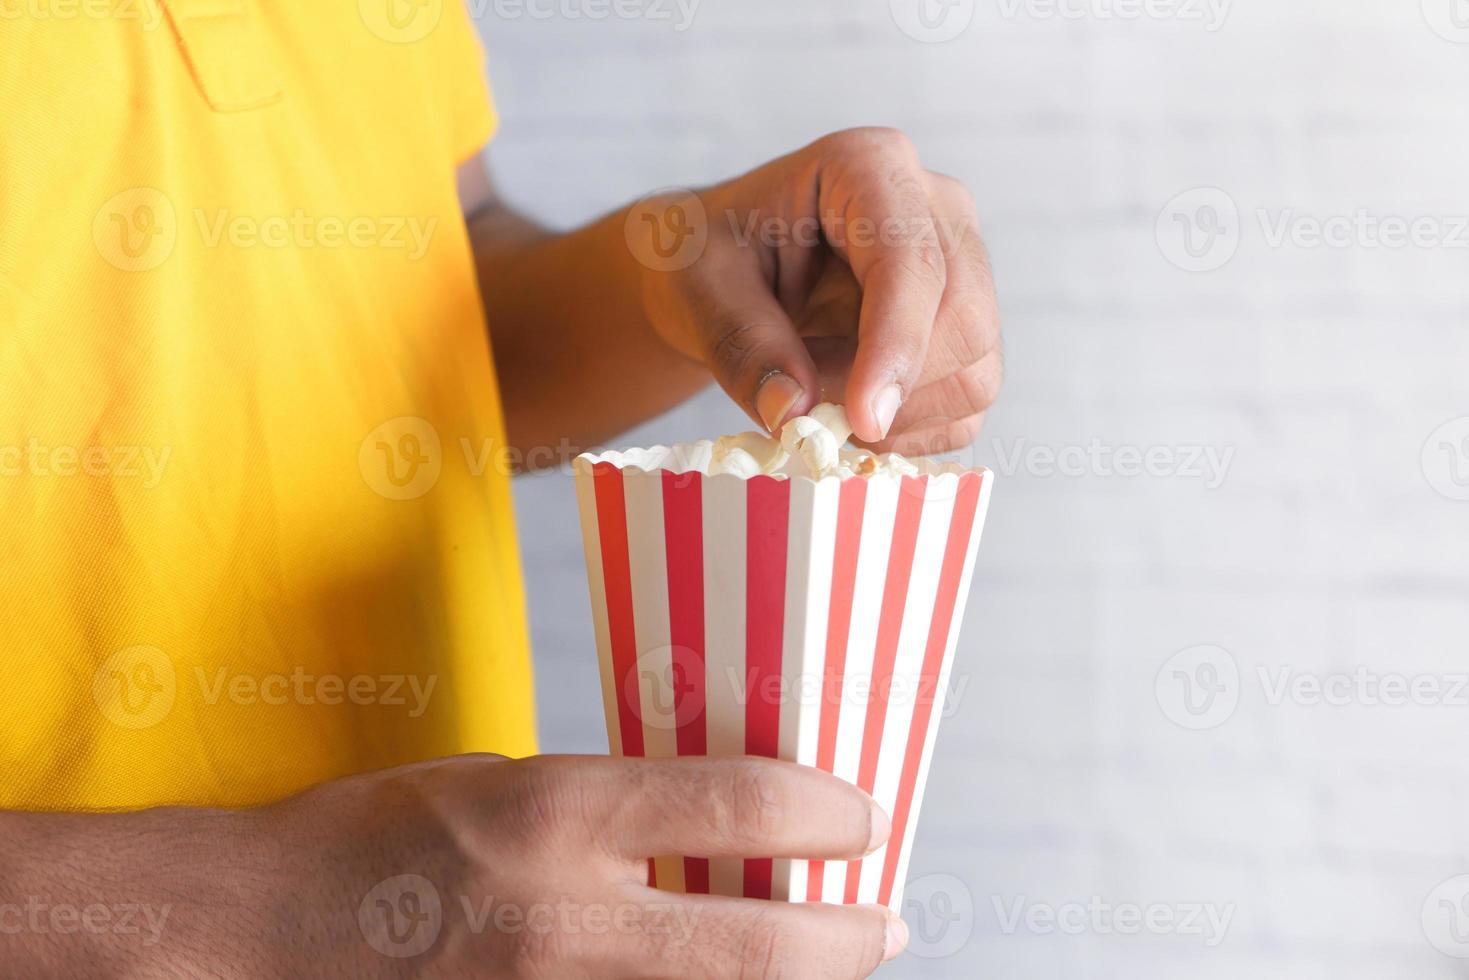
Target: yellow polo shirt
(254, 526)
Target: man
(261, 589)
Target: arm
(575, 353)
(473, 866)
(843, 271)
(161, 893)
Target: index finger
(877, 185)
(740, 807)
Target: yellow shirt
(254, 525)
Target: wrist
(128, 894)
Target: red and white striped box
(813, 621)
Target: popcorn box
(800, 619)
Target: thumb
(749, 343)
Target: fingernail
(896, 939)
(885, 407)
(882, 828)
(778, 394)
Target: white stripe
(811, 537)
(814, 560)
(648, 564)
(586, 502)
(965, 580)
(872, 565)
(923, 587)
(724, 640)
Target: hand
(844, 268)
(538, 868)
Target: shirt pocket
(225, 47)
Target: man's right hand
(478, 866)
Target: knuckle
(968, 429)
(860, 135)
(957, 228)
(891, 140)
(765, 948)
(942, 435)
(969, 328)
(955, 197)
(543, 802)
(961, 236)
(929, 257)
(978, 310)
(756, 803)
(873, 140)
(920, 266)
(733, 348)
(981, 388)
(968, 393)
(963, 341)
(978, 261)
(869, 948)
(951, 186)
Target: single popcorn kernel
(747, 454)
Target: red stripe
(839, 625)
(683, 532)
(889, 625)
(767, 504)
(612, 529)
(966, 505)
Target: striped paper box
(813, 621)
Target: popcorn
(812, 445)
(693, 456)
(747, 454)
(893, 463)
(818, 438)
(734, 461)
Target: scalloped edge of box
(656, 460)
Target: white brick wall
(1324, 370)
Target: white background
(1324, 370)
